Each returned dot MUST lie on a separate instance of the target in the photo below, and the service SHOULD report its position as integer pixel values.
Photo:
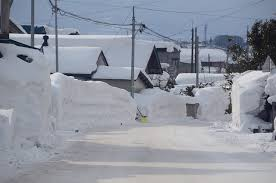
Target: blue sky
(243, 13)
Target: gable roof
(74, 60)
(121, 73)
(117, 49)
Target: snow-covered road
(172, 152)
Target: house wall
(125, 84)
(172, 58)
(184, 68)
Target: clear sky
(176, 23)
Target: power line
(79, 17)
(203, 14)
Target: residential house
(117, 51)
(79, 62)
(121, 77)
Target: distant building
(216, 64)
(268, 65)
(121, 77)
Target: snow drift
(81, 104)
(213, 101)
(25, 87)
(159, 105)
(247, 91)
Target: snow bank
(190, 78)
(159, 105)
(82, 104)
(7, 119)
(213, 101)
(247, 91)
(159, 80)
(270, 88)
(25, 87)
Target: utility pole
(247, 44)
(209, 63)
(196, 58)
(5, 19)
(192, 54)
(133, 52)
(56, 35)
(205, 34)
(32, 22)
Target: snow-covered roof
(216, 55)
(116, 48)
(165, 44)
(109, 72)
(74, 60)
(119, 73)
(64, 31)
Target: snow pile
(247, 91)
(190, 78)
(159, 105)
(213, 101)
(25, 87)
(270, 88)
(7, 119)
(160, 81)
(81, 104)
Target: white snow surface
(159, 105)
(270, 88)
(213, 101)
(159, 80)
(73, 60)
(78, 105)
(25, 88)
(7, 119)
(247, 91)
(190, 78)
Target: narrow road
(181, 152)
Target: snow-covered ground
(186, 151)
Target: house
(185, 65)
(213, 60)
(79, 62)
(44, 29)
(269, 65)
(116, 48)
(15, 27)
(168, 53)
(121, 77)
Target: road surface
(179, 152)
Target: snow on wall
(83, 104)
(25, 87)
(247, 91)
(159, 105)
(7, 119)
(190, 78)
(213, 103)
